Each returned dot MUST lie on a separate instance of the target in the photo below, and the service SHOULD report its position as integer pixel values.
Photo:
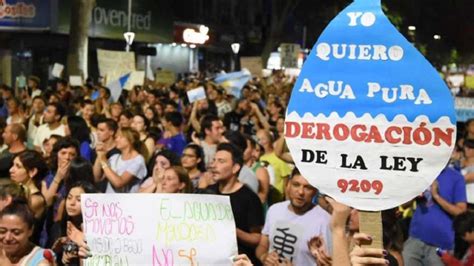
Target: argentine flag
(117, 86)
(233, 82)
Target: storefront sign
(24, 14)
(151, 21)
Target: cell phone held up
(70, 247)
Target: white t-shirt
(135, 166)
(209, 152)
(248, 177)
(43, 132)
(469, 186)
(32, 129)
(290, 233)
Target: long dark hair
(80, 170)
(33, 160)
(88, 187)
(79, 129)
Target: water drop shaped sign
(370, 122)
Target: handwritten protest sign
(115, 64)
(196, 94)
(370, 121)
(289, 53)
(165, 76)
(158, 229)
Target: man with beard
(246, 206)
(292, 224)
(52, 119)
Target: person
(463, 225)
(159, 163)
(288, 220)
(106, 129)
(17, 224)
(232, 119)
(430, 226)
(64, 151)
(29, 169)
(246, 206)
(125, 171)
(48, 145)
(341, 255)
(192, 160)
(87, 111)
(213, 130)
(218, 95)
(72, 215)
(281, 168)
(6, 93)
(141, 124)
(33, 86)
(116, 109)
(35, 119)
(77, 128)
(467, 170)
(175, 180)
(173, 138)
(15, 111)
(152, 116)
(125, 119)
(258, 169)
(246, 175)
(14, 136)
(392, 234)
(12, 192)
(52, 118)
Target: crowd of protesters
(62, 141)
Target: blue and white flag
(234, 82)
(117, 86)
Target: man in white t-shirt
(52, 118)
(292, 224)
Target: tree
(281, 9)
(81, 15)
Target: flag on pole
(233, 82)
(117, 86)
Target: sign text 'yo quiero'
(370, 122)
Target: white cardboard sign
(196, 94)
(158, 229)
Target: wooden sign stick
(371, 223)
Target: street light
(129, 35)
(412, 33)
(437, 37)
(235, 48)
